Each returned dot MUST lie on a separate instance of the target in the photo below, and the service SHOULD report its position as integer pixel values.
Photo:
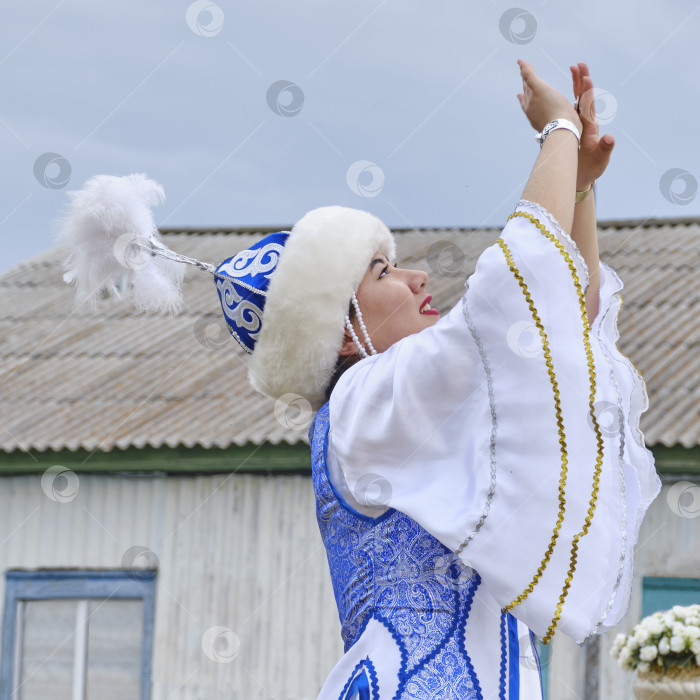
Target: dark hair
(343, 362)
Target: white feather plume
(111, 234)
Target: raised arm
(443, 420)
(552, 182)
(594, 157)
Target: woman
(447, 441)
(466, 493)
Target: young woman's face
(394, 303)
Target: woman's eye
(384, 271)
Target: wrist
(582, 194)
(557, 125)
(570, 114)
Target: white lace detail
(568, 242)
(494, 422)
(621, 481)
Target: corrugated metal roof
(110, 378)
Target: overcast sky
(250, 114)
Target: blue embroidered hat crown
(242, 283)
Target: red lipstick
(426, 302)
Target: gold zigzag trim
(562, 435)
(560, 424)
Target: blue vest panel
(391, 569)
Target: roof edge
(265, 458)
(639, 222)
(676, 460)
(248, 459)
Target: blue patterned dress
(391, 570)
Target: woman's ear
(348, 347)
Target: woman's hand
(594, 155)
(541, 102)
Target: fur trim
(321, 266)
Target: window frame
(82, 584)
(654, 587)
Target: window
(663, 593)
(77, 635)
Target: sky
(251, 114)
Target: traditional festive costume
(468, 490)
(495, 445)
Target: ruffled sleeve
(510, 431)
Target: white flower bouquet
(662, 641)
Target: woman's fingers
(583, 73)
(603, 152)
(542, 102)
(587, 104)
(587, 90)
(607, 142)
(528, 74)
(526, 69)
(595, 152)
(576, 78)
(593, 160)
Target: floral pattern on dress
(392, 569)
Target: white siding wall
(241, 552)
(244, 552)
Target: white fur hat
(284, 299)
(323, 263)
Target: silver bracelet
(558, 124)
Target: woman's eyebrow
(375, 261)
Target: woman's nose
(419, 280)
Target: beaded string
(348, 324)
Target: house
(157, 525)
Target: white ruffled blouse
(509, 430)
